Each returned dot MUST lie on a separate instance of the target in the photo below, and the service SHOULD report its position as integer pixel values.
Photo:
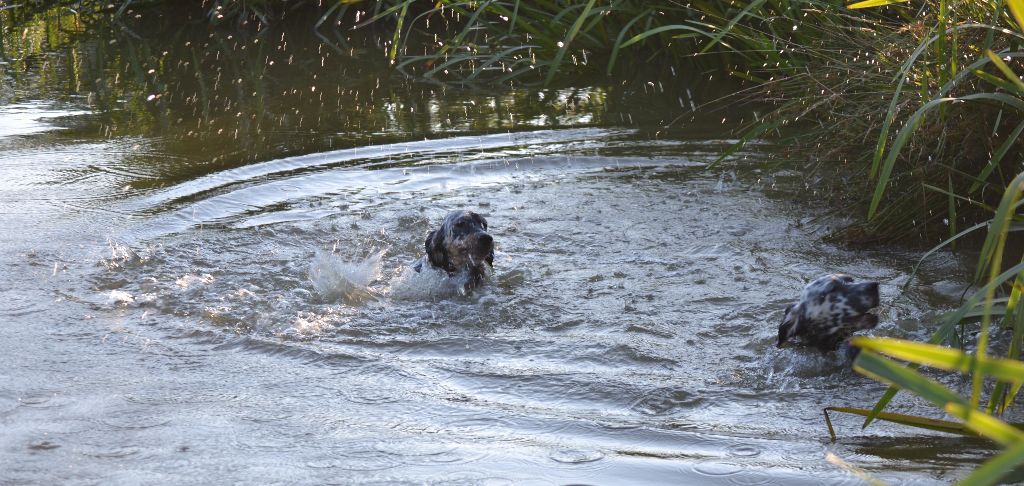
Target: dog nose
(485, 239)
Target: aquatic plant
(506, 41)
(1005, 375)
(879, 356)
(998, 300)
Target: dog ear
(790, 324)
(436, 253)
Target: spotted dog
(461, 247)
(831, 308)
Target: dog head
(460, 243)
(830, 309)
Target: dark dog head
(830, 309)
(461, 244)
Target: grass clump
(917, 112)
(1000, 378)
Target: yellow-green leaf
(874, 3)
(1010, 75)
(1017, 9)
(941, 357)
(986, 425)
(902, 419)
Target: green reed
(998, 299)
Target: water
(183, 305)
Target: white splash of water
(189, 280)
(427, 284)
(349, 281)
(306, 324)
(430, 283)
(120, 297)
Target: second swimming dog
(830, 310)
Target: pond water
(207, 277)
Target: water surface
(213, 285)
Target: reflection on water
(207, 272)
(226, 97)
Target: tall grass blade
(998, 156)
(746, 138)
(902, 76)
(944, 358)
(912, 124)
(1010, 75)
(883, 369)
(999, 227)
(622, 35)
(938, 247)
(393, 53)
(951, 211)
(945, 330)
(909, 420)
(664, 28)
(1014, 313)
(569, 36)
(987, 425)
(1017, 9)
(732, 23)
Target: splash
(119, 298)
(347, 281)
(431, 284)
(121, 255)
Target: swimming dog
(461, 247)
(830, 310)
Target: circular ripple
(717, 469)
(665, 402)
(575, 456)
(100, 452)
(40, 399)
(743, 450)
(425, 454)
